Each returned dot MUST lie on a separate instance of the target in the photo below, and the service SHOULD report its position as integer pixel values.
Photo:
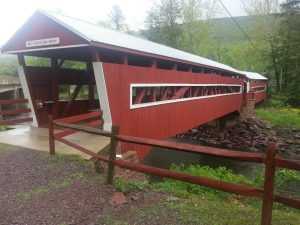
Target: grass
(280, 117)
(129, 186)
(200, 210)
(62, 159)
(204, 211)
(193, 204)
(3, 128)
(283, 181)
(278, 114)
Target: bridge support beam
(102, 91)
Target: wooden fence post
(51, 135)
(270, 168)
(112, 154)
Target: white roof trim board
(94, 33)
(254, 76)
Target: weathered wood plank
(13, 101)
(14, 112)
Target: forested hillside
(224, 28)
(267, 41)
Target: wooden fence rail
(270, 160)
(12, 116)
(13, 101)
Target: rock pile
(250, 135)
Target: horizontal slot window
(73, 92)
(143, 95)
(259, 89)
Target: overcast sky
(15, 12)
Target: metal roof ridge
(54, 16)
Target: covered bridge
(148, 89)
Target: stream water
(164, 158)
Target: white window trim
(149, 104)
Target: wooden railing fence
(271, 161)
(14, 114)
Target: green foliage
(190, 27)
(162, 22)
(286, 48)
(3, 128)
(273, 50)
(276, 101)
(70, 64)
(129, 186)
(8, 65)
(285, 176)
(37, 61)
(199, 205)
(207, 211)
(280, 117)
(185, 189)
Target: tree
(163, 23)
(265, 35)
(195, 30)
(290, 47)
(117, 19)
(261, 7)
(181, 24)
(8, 65)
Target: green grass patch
(278, 113)
(283, 179)
(3, 128)
(280, 117)
(206, 211)
(195, 204)
(276, 101)
(201, 210)
(129, 186)
(185, 189)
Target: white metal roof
(254, 76)
(95, 33)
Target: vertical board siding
(165, 120)
(259, 96)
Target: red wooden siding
(40, 27)
(165, 120)
(259, 95)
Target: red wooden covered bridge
(147, 89)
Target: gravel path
(36, 189)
